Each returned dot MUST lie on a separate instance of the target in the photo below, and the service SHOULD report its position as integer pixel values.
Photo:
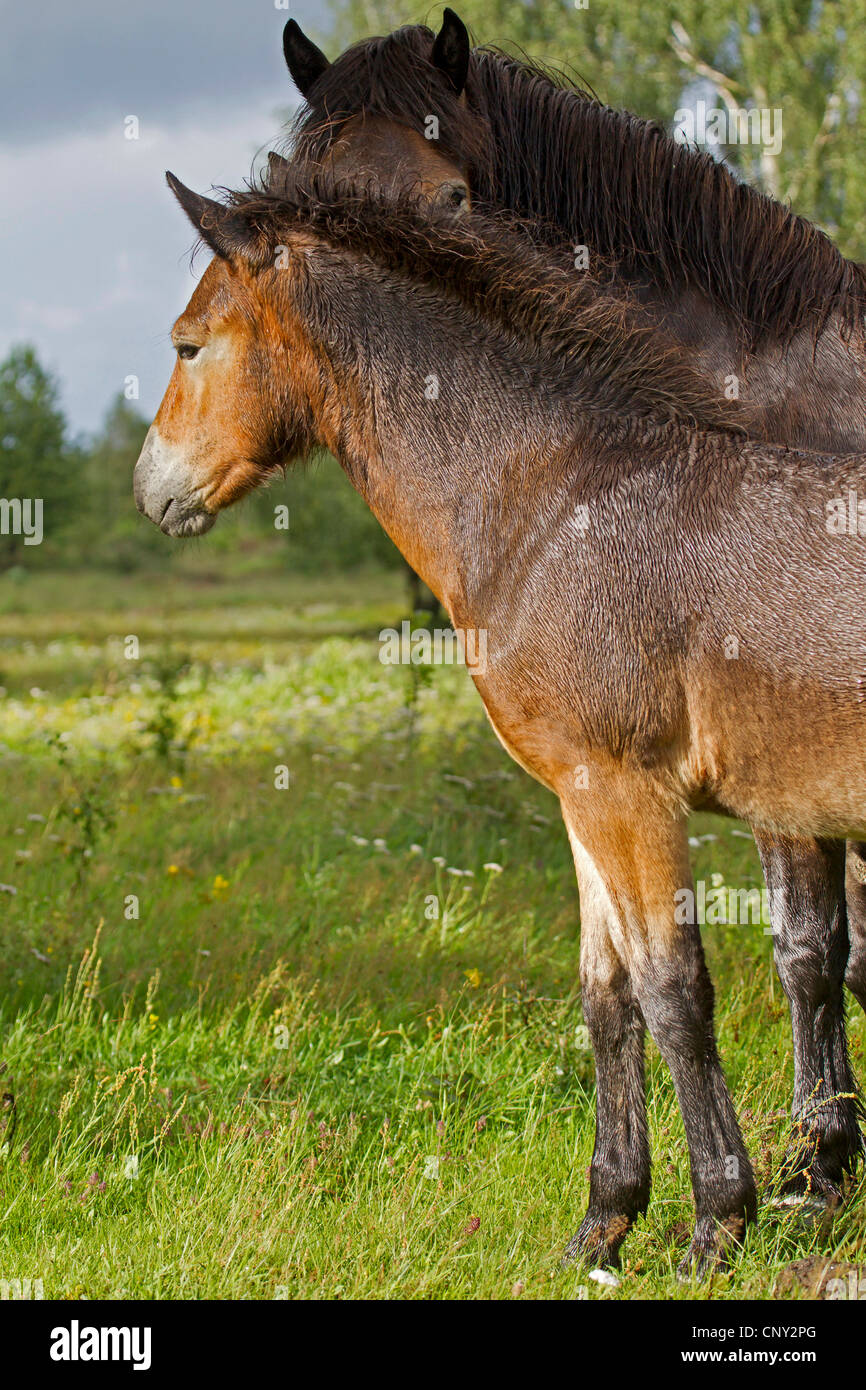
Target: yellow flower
(177, 781)
(220, 886)
(473, 976)
(173, 869)
(153, 1019)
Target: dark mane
(565, 319)
(665, 213)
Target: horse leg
(640, 850)
(806, 882)
(855, 892)
(619, 1176)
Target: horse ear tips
(304, 60)
(453, 20)
(180, 190)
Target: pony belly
(791, 761)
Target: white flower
(492, 868)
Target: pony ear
(451, 50)
(225, 230)
(305, 61)
(278, 171)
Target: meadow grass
(321, 1040)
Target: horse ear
(451, 50)
(305, 61)
(278, 171)
(225, 230)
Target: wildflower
(473, 976)
(492, 868)
(173, 869)
(177, 782)
(415, 849)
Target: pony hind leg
(640, 851)
(619, 1182)
(806, 882)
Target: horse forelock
(393, 77)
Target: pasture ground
(287, 1077)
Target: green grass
(317, 1063)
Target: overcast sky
(95, 251)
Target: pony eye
(187, 350)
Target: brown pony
(670, 620)
(766, 305)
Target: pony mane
(539, 145)
(566, 320)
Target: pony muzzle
(166, 492)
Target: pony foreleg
(639, 848)
(806, 882)
(619, 1181)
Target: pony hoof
(598, 1240)
(699, 1263)
(710, 1248)
(802, 1201)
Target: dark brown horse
(770, 311)
(670, 621)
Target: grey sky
(94, 250)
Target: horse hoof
(598, 1240)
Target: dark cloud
(70, 66)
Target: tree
(116, 535)
(37, 465)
